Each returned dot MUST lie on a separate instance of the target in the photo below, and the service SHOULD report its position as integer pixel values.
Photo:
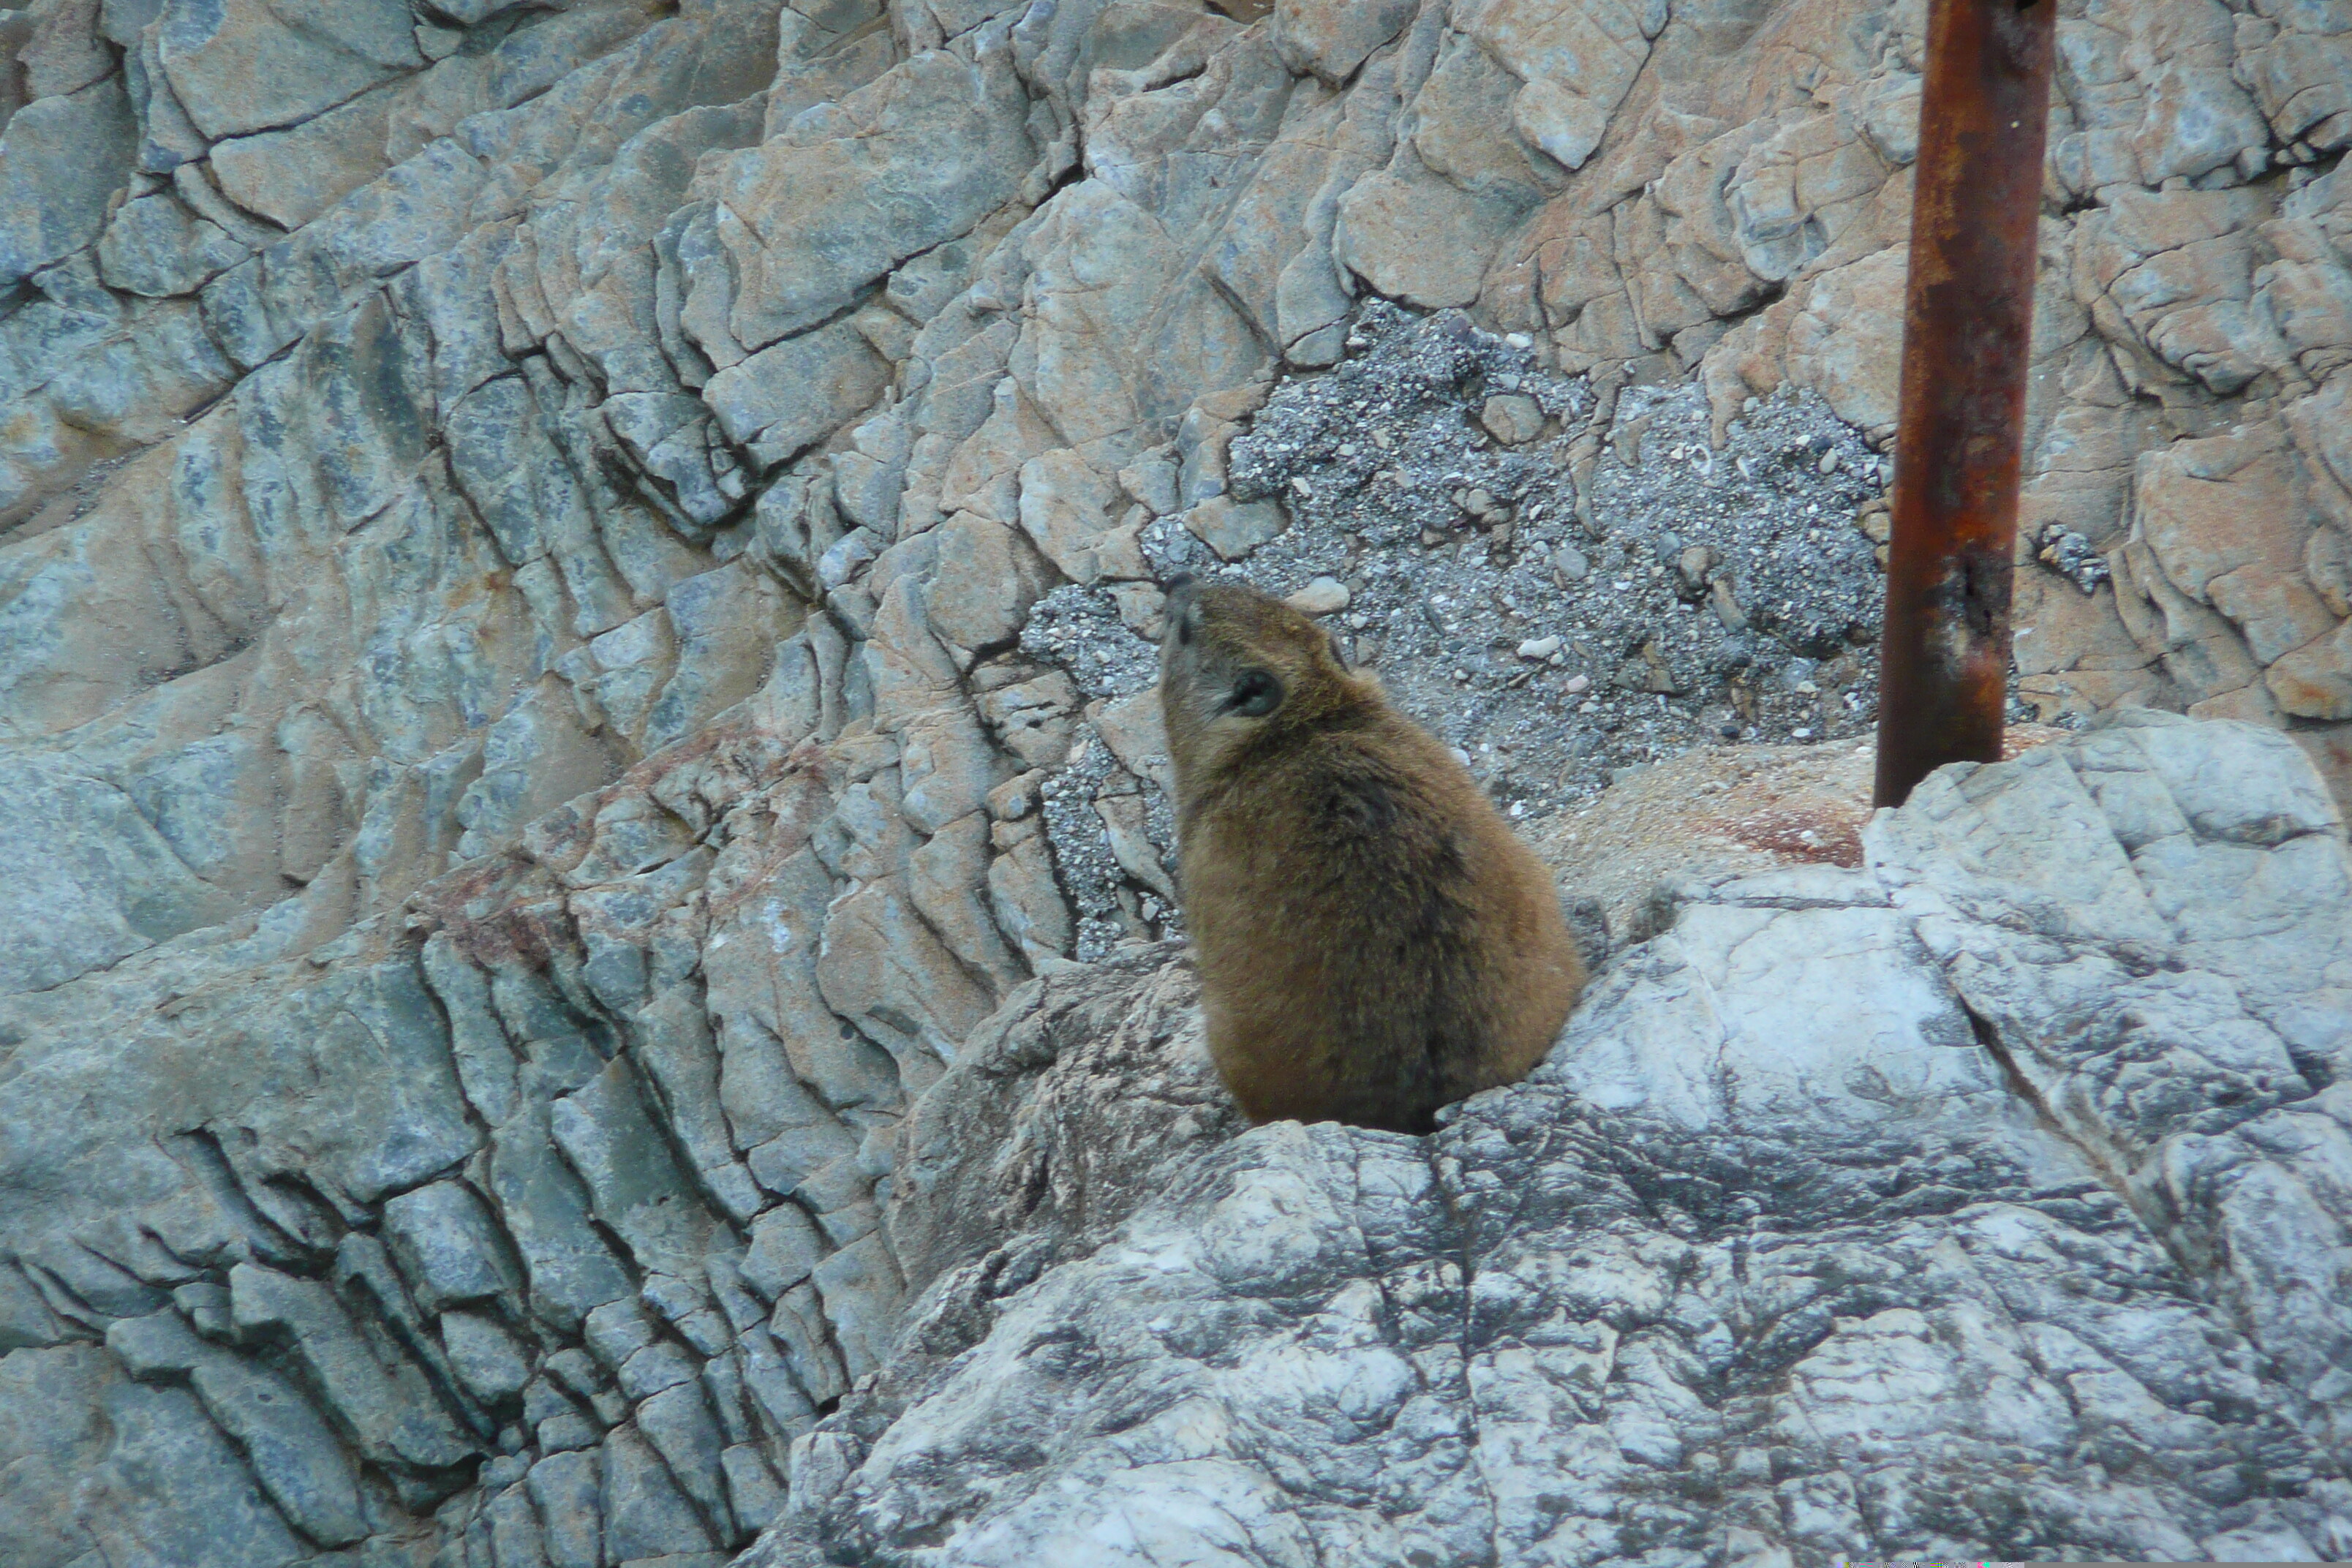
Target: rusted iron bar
(1967, 323)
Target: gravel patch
(1564, 583)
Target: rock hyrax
(1373, 941)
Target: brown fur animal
(1373, 941)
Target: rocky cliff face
(573, 626)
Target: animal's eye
(1256, 695)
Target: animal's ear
(1182, 607)
(1337, 654)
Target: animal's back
(1373, 941)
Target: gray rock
(679, 1423)
(940, 144)
(1400, 230)
(169, 141)
(617, 1330)
(486, 1358)
(509, 470)
(565, 1488)
(1379, 451)
(795, 393)
(668, 434)
(1066, 509)
(447, 1246)
(156, 246)
(240, 66)
(61, 160)
(752, 1489)
(645, 1514)
(1512, 418)
(382, 1041)
(1233, 529)
(634, 1180)
(166, 1486)
(394, 1413)
(291, 176)
(654, 1369)
(1331, 41)
(293, 1453)
(966, 599)
(1321, 597)
(78, 843)
(515, 1534)
(64, 53)
(571, 1270)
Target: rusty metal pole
(1967, 323)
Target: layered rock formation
(575, 601)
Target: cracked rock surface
(576, 587)
(1988, 1200)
